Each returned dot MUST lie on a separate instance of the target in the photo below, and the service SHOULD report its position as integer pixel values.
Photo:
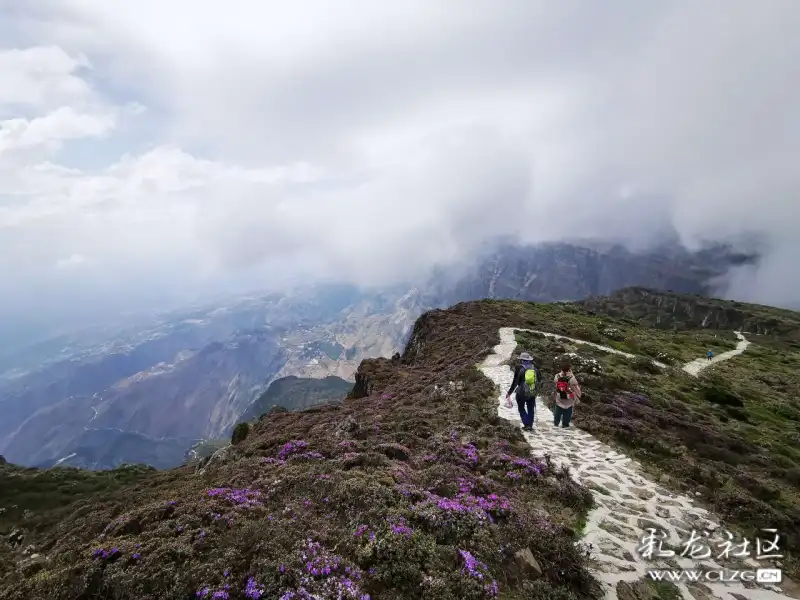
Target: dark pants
(564, 415)
(527, 408)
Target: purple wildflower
(202, 593)
(477, 506)
(136, 556)
(472, 566)
(242, 497)
(253, 590)
(291, 447)
(321, 564)
(530, 467)
(101, 553)
(470, 452)
(478, 570)
(399, 527)
(220, 595)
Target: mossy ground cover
(36, 500)
(413, 487)
(41, 491)
(414, 490)
(733, 433)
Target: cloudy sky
(157, 149)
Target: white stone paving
(627, 500)
(694, 367)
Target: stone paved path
(628, 502)
(694, 367)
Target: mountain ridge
(379, 476)
(184, 376)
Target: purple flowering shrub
(314, 571)
(405, 497)
(247, 497)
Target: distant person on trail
(710, 355)
(526, 381)
(568, 393)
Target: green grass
(40, 491)
(404, 441)
(733, 432)
(729, 434)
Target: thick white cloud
(52, 130)
(186, 144)
(40, 76)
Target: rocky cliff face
(562, 272)
(676, 311)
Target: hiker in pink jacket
(568, 394)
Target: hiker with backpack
(568, 393)
(526, 382)
(710, 355)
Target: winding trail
(694, 367)
(628, 502)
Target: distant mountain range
(148, 394)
